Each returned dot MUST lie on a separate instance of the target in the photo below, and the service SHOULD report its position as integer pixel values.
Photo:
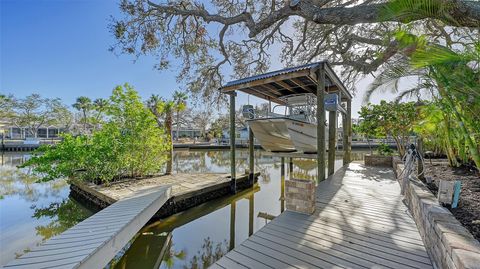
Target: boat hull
(285, 135)
(272, 134)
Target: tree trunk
(168, 127)
(178, 126)
(84, 121)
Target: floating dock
(360, 222)
(93, 242)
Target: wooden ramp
(360, 222)
(94, 242)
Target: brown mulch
(468, 210)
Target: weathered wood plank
(360, 222)
(95, 241)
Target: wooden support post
(233, 207)
(251, 212)
(332, 137)
(345, 138)
(233, 180)
(290, 166)
(321, 123)
(251, 156)
(282, 185)
(348, 149)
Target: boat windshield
(297, 106)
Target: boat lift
(316, 78)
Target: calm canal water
(31, 212)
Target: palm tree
(99, 105)
(180, 100)
(163, 111)
(83, 104)
(451, 79)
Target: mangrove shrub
(129, 144)
(390, 119)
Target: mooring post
(332, 137)
(233, 180)
(321, 123)
(251, 156)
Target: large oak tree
(237, 37)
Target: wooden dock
(359, 222)
(94, 242)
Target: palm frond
(389, 78)
(410, 10)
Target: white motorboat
(293, 131)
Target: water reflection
(62, 215)
(31, 212)
(205, 233)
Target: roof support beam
(299, 84)
(254, 83)
(285, 86)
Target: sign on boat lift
(332, 103)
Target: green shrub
(129, 144)
(384, 150)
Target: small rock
(476, 222)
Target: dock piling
(233, 181)
(321, 123)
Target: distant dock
(20, 147)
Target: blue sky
(59, 48)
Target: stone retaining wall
(449, 244)
(378, 160)
(300, 195)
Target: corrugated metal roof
(274, 73)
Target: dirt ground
(468, 211)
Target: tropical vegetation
(129, 144)
(389, 119)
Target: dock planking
(360, 222)
(93, 242)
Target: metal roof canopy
(294, 80)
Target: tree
(163, 111)
(218, 125)
(84, 105)
(202, 119)
(180, 99)
(100, 106)
(450, 78)
(238, 37)
(6, 103)
(33, 112)
(390, 119)
(130, 144)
